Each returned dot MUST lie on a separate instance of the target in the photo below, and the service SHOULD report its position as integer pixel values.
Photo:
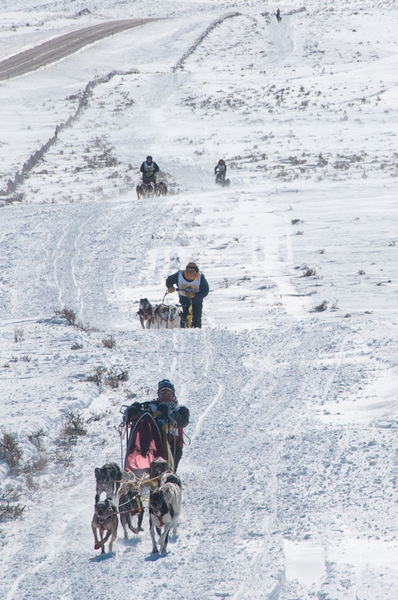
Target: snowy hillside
(291, 463)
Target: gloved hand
(190, 294)
(171, 289)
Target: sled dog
(108, 479)
(130, 505)
(104, 519)
(145, 313)
(164, 511)
(160, 473)
(166, 316)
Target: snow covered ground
(290, 476)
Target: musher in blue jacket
(149, 169)
(192, 287)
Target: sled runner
(145, 443)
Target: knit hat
(192, 265)
(166, 384)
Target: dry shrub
(10, 509)
(35, 465)
(321, 307)
(113, 377)
(18, 335)
(74, 425)
(10, 451)
(97, 376)
(309, 272)
(109, 342)
(110, 377)
(67, 314)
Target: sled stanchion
(120, 432)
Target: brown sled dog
(104, 519)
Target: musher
(192, 287)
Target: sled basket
(145, 443)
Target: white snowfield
(291, 463)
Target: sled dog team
(124, 501)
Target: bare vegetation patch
(309, 272)
(99, 155)
(10, 452)
(76, 346)
(321, 307)
(67, 314)
(10, 508)
(35, 465)
(35, 438)
(70, 316)
(74, 425)
(18, 335)
(97, 376)
(109, 342)
(112, 377)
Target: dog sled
(145, 442)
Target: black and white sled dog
(145, 313)
(108, 479)
(164, 511)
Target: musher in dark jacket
(220, 170)
(168, 414)
(149, 169)
(192, 287)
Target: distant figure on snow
(278, 15)
(192, 287)
(220, 170)
(149, 169)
